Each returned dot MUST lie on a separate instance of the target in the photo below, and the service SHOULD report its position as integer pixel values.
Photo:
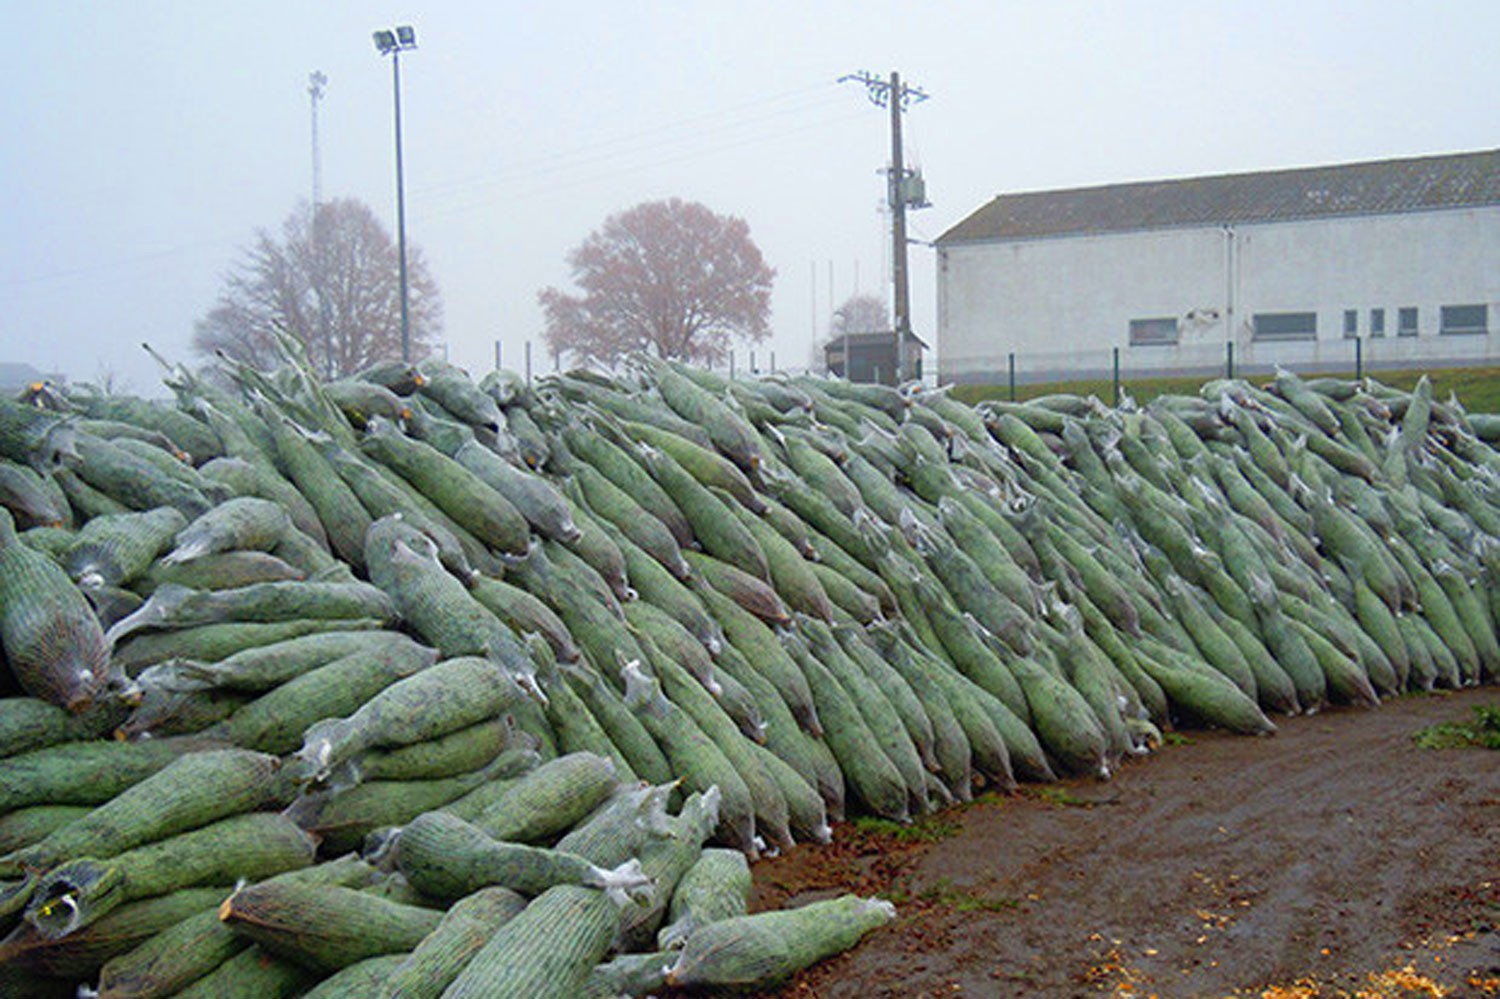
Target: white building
(1396, 259)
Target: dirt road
(1333, 859)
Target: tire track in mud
(1332, 853)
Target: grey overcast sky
(145, 142)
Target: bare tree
(108, 381)
(668, 277)
(861, 313)
(332, 281)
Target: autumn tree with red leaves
(670, 278)
(336, 288)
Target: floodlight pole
(391, 43)
(316, 81)
(401, 212)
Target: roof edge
(1385, 186)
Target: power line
(539, 170)
(555, 187)
(108, 265)
(645, 141)
(589, 150)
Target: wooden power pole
(900, 194)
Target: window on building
(1153, 332)
(1377, 322)
(1460, 319)
(1406, 321)
(1351, 324)
(1286, 325)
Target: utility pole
(895, 95)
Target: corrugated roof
(866, 339)
(876, 336)
(1373, 188)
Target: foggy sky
(144, 143)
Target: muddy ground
(1333, 859)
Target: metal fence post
(1012, 362)
(1229, 360)
(1359, 357)
(1116, 352)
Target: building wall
(1064, 303)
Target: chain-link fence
(1349, 355)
